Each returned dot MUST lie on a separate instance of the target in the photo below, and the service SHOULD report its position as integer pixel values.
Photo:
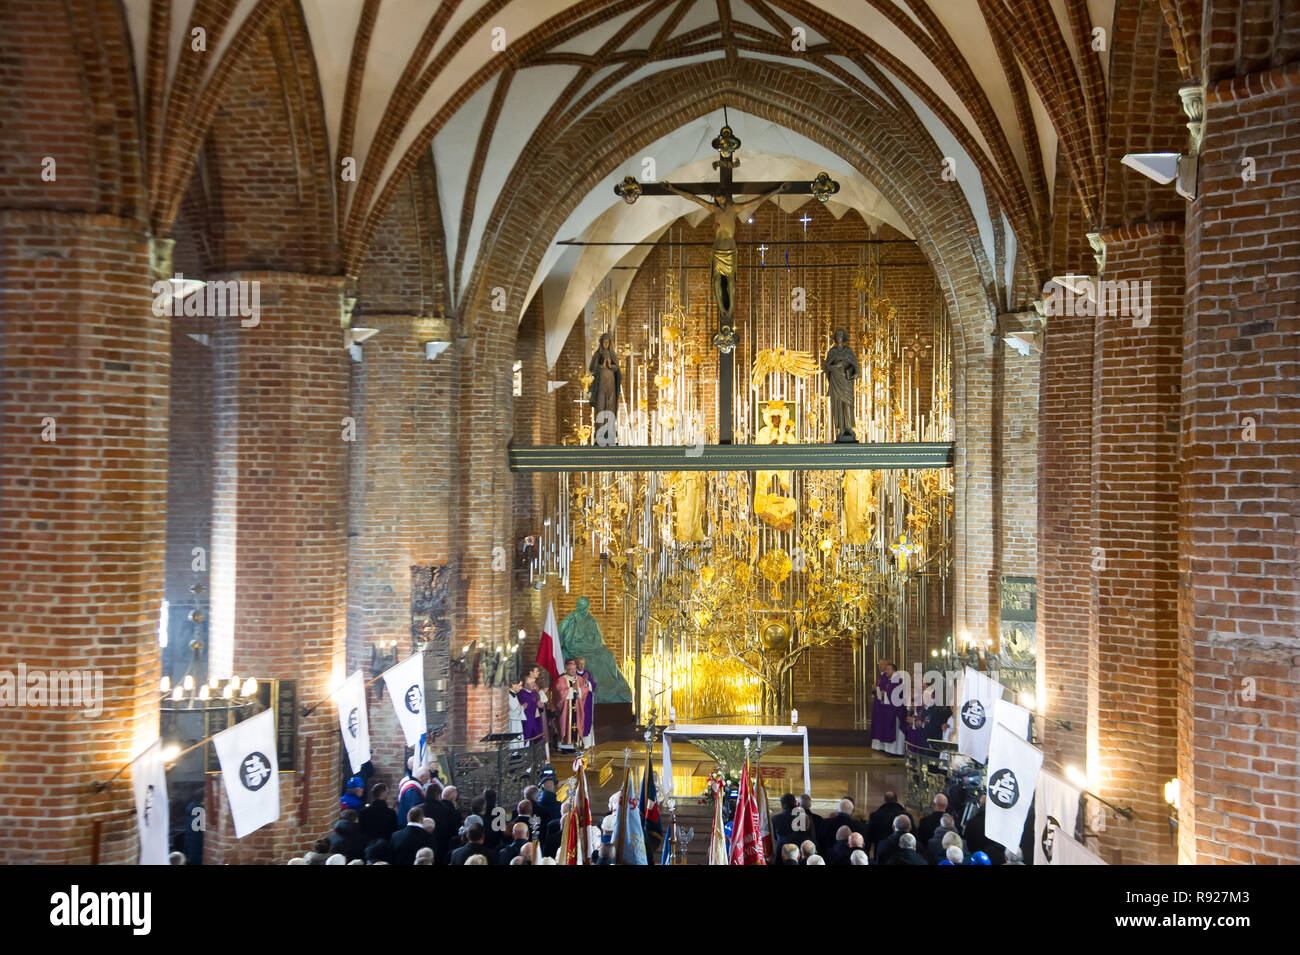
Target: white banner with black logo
(1013, 717)
(405, 684)
(979, 698)
(1069, 852)
(1056, 810)
(1013, 775)
(248, 768)
(354, 723)
(149, 781)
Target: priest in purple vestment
(532, 699)
(591, 698)
(887, 730)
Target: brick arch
(67, 95)
(891, 150)
(262, 189)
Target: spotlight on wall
(1165, 168)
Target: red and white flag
(746, 840)
(549, 654)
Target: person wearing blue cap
(980, 858)
(353, 794)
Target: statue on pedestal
(580, 637)
(606, 381)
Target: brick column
(279, 558)
(1066, 663)
(1239, 602)
(83, 493)
(1136, 364)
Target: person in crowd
(411, 792)
(906, 853)
(346, 836)
(812, 823)
(523, 813)
(494, 835)
(934, 848)
(448, 820)
(807, 849)
(424, 856)
(976, 841)
(473, 846)
(337, 858)
(377, 819)
(889, 845)
(954, 856)
(319, 852)
(379, 851)
(548, 805)
(837, 853)
(952, 840)
(828, 833)
(858, 857)
(928, 824)
(608, 854)
(783, 823)
(881, 822)
(789, 854)
(519, 832)
(353, 794)
(815, 859)
(411, 838)
(177, 858)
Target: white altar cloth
(688, 731)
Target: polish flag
(549, 654)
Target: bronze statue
(841, 368)
(606, 380)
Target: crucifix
(724, 209)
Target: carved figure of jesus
(724, 211)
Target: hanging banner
(979, 698)
(1013, 775)
(247, 755)
(1013, 717)
(152, 820)
(1068, 852)
(1056, 810)
(354, 721)
(405, 684)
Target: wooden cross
(823, 187)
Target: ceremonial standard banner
(979, 697)
(405, 684)
(1068, 852)
(1056, 811)
(1013, 775)
(354, 722)
(149, 780)
(549, 654)
(247, 755)
(1013, 717)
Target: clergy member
(886, 715)
(583, 672)
(571, 692)
(533, 700)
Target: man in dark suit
(473, 845)
(925, 828)
(512, 849)
(412, 838)
(783, 825)
(828, 834)
(837, 853)
(447, 820)
(548, 806)
(889, 845)
(377, 819)
(934, 848)
(906, 853)
(881, 822)
(807, 824)
(978, 842)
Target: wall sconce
(383, 655)
(433, 349)
(1173, 794)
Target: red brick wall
(1239, 594)
(82, 522)
(279, 560)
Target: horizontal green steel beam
(735, 457)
